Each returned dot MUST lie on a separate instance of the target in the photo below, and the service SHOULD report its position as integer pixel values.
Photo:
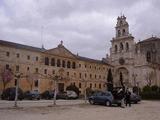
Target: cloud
(85, 26)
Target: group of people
(125, 97)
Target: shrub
(147, 89)
(154, 88)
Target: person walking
(128, 98)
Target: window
(17, 55)
(90, 75)
(46, 61)
(52, 62)
(85, 66)
(100, 86)
(17, 68)
(127, 46)
(74, 74)
(53, 71)
(124, 31)
(80, 85)
(99, 76)
(80, 75)
(58, 63)
(45, 71)
(7, 54)
(63, 64)
(15, 82)
(95, 85)
(36, 83)
(36, 58)
(36, 70)
(27, 68)
(73, 65)
(79, 65)
(121, 46)
(148, 56)
(90, 66)
(90, 85)
(7, 66)
(68, 64)
(115, 48)
(119, 33)
(28, 57)
(95, 76)
(85, 75)
(67, 73)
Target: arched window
(73, 65)
(124, 31)
(36, 83)
(119, 33)
(68, 64)
(90, 85)
(58, 63)
(115, 48)
(121, 46)
(127, 46)
(148, 56)
(46, 61)
(52, 62)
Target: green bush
(154, 88)
(147, 89)
(150, 93)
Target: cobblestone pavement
(77, 110)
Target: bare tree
(149, 78)
(7, 76)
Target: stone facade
(39, 65)
(135, 64)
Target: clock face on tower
(121, 61)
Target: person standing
(128, 98)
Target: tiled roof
(20, 46)
(91, 60)
(150, 39)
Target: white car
(71, 94)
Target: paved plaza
(77, 110)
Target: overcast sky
(85, 26)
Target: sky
(86, 27)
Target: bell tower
(122, 27)
(122, 52)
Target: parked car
(32, 95)
(69, 94)
(105, 98)
(47, 95)
(135, 98)
(9, 94)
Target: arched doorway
(122, 77)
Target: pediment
(61, 51)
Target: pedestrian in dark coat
(128, 97)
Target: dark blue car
(105, 98)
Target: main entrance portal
(122, 77)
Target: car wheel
(91, 102)
(108, 103)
